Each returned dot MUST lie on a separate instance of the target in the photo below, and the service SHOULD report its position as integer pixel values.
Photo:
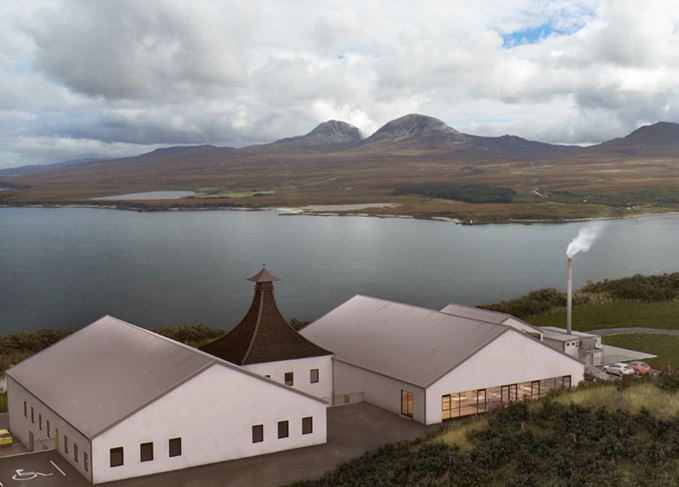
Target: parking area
(43, 469)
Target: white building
(429, 365)
(586, 347)
(264, 343)
(118, 401)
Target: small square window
(175, 447)
(307, 425)
(117, 456)
(283, 429)
(289, 379)
(146, 452)
(313, 376)
(258, 433)
(75, 452)
(86, 461)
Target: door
(406, 403)
(31, 441)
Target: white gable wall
(213, 413)
(378, 390)
(511, 358)
(301, 374)
(20, 426)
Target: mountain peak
(415, 126)
(330, 135)
(660, 136)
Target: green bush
(533, 303)
(468, 193)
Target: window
(48, 429)
(268, 376)
(32, 415)
(289, 379)
(175, 447)
(406, 403)
(258, 433)
(25, 410)
(40, 422)
(117, 456)
(75, 452)
(86, 461)
(567, 381)
(65, 444)
(313, 376)
(307, 425)
(535, 389)
(283, 429)
(146, 452)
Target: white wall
(514, 323)
(213, 413)
(300, 368)
(377, 389)
(509, 359)
(20, 426)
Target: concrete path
(629, 331)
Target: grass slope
(615, 315)
(592, 436)
(665, 347)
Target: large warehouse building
(429, 365)
(118, 401)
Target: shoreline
(301, 211)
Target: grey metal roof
(561, 334)
(109, 369)
(409, 343)
(486, 315)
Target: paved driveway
(352, 430)
(42, 469)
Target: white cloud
(82, 78)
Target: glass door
(406, 403)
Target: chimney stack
(569, 297)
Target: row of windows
(289, 377)
(47, 423)
(117, 455)
(283, 429)
(86, 458)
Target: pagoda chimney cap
(263, 276)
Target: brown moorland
(427, 167)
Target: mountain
(658, 138)
(36, 168)
(181, 149)
(328, 136)
(417, 131)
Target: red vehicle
(641, 368)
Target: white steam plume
(585, 238)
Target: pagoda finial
(263, 276)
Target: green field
(664, 346)
(663, 314)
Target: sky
(83, 78)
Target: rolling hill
(409, 156)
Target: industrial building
(431, 366)
(118, 401)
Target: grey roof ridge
(507, 315)
(223, 362)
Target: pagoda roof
(263, 335)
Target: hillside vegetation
(593, 436)
(635, 289)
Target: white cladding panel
(20, 426)
(301, 369)
(213, 413)
(509, 359)
(377, 389)
(520, 325)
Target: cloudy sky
(83, 78)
